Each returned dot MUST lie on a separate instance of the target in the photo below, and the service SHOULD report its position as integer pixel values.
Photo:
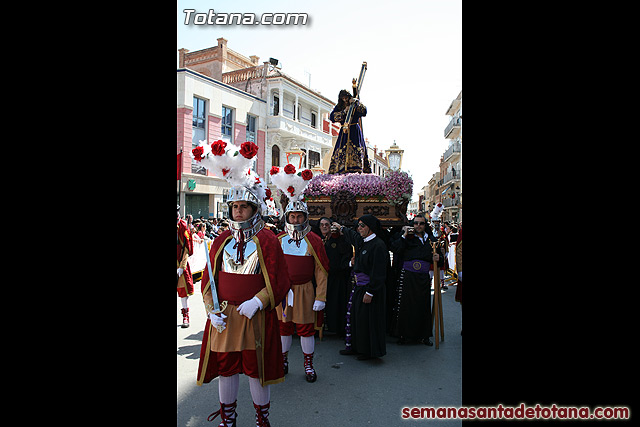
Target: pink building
(211, 110)
(225, 95)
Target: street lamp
(394, 154)
(295, 156)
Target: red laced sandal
(308, 368)
(227, 413)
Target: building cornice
(219, 83)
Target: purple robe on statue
(350, 153)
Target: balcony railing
(299, 129)
(455, 148)
(243, 74)
(451, 176)
(455, 121)
(449, 202)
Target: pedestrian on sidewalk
(368, 296)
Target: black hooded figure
(368, 298)
(350, 152)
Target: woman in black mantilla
(350, 153)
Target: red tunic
(276, 280)
(185, 245)
(318, 247)
(301, 271)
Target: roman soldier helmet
(293, 184)
(234, 165)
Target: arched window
(275, 156)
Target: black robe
(393, 272)
(339, 253)
(368, 320)
(412, 313)
(412, 310)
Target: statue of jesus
(350, 152)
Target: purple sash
(416, 266)
(361, 279)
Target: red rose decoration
(248, 149)
(268, 192)
(225, 171)
(307, 174)
(274, 170)
(290, 189)
(290, 169)
(439, 205)
(217, 148)
(197, 153)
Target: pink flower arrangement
(396, 186)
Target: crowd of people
(366, 282)
(407, 306)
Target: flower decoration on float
(395, 186)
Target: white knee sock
(307, 344)
(228, 388)
(286, 343)
(260, 395)
(184, 301)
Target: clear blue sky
(413, 50)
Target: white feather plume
(231, 166)
(235, 169)
(436, 212)
(284, 180)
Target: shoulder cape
(317, 248)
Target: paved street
(347, 392)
